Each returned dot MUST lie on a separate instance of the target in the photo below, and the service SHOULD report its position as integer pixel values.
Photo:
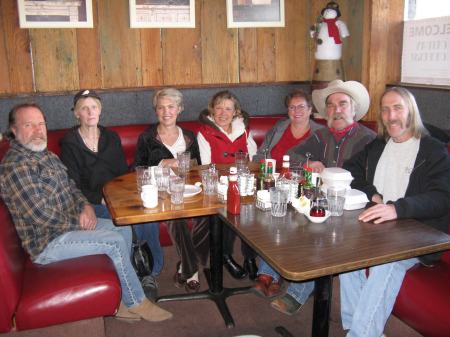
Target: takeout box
(336, 176)
(355, 199)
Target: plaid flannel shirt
(44, 203)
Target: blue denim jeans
(367, 302)
(105, 239)
(148, 232)
(298, 290)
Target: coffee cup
(149, 196)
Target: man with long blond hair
(406, 173)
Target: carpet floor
(253, 315)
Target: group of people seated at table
(59, 212)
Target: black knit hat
(84, 94)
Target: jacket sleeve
(121, 160)
(251, 146)
(358, 165)
(195, 151)
(263, 150)
(205, 149)
(141, 155)
(68, 156)
(428, 193)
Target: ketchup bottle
(233, 195)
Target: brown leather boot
(150, 311)
(124, 314)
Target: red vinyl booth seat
(423, 302)
(34, 296)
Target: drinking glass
(184, 162)
(278, 201)
(336, 200)
(241, 161)
(176, 189)
(143, 176)
(162, 175)
(209, 182)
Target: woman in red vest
(224, 131)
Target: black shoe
(233, 267)
(251, 268)
(150, 287)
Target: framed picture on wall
(55, 14)
(255, 13)
(162, 13)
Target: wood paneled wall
(111, 55)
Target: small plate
(317, 219)
(191, 190)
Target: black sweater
(91, 170)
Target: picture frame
(55, 14)
(255, 13)
(162, 13)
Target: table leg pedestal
(216, 292)
(322, 305)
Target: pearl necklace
(90, 142)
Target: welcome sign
(426, 51)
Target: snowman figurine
(328, 32)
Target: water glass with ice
(184, 162)
(278, 201)
(143, 177)
(336, 200)
(176, 189)
(209, 182)
(162, 175)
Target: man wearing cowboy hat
(406, 173)
(343, 104)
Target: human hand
(317, 166)
(378, 199)
(379, 213)
(88, 219)
(169, 163)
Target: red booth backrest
(12, 261)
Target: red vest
(222, 148)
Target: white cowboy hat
(352, 88)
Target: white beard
(36, 147)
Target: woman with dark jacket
(224, 132)
(159, 146)
(93, 155)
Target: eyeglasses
(301, 107)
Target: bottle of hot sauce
(269, 180)
(261, 175)
(285, 172)
(233, 195)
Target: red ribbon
(333, 30)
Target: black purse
(141, 258)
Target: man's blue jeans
(367, 302)
(298, 290)
(105, 239)
(148, 232)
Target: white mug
(149, 196)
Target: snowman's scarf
(333, 30)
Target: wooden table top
(125, 204)
(300, 250)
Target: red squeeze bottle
(233, 195)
